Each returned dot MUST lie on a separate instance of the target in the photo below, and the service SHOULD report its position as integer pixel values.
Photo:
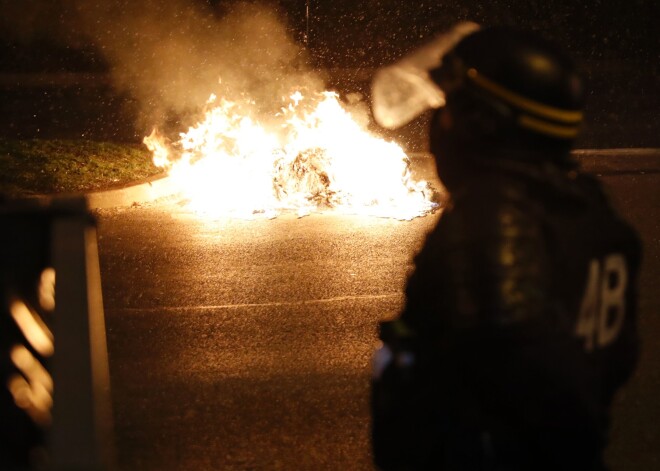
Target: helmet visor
(404, 90)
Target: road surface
(246, 344)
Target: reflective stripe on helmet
(550, 129)
(526, 104)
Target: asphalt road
(246, 344)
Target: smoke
(171, 55)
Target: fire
(312, 156)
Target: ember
(312, 156)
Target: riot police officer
(519, 322)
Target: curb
(131, 195)
(619, 161)
(146, 192)
(598, 161)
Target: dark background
(614, 42)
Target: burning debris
(305, 177)
(252, 152)
(312, 156)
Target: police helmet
(509, 84)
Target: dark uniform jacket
(519, 327)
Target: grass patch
(38, 166)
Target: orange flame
(315, 157)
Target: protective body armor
(518, 328)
